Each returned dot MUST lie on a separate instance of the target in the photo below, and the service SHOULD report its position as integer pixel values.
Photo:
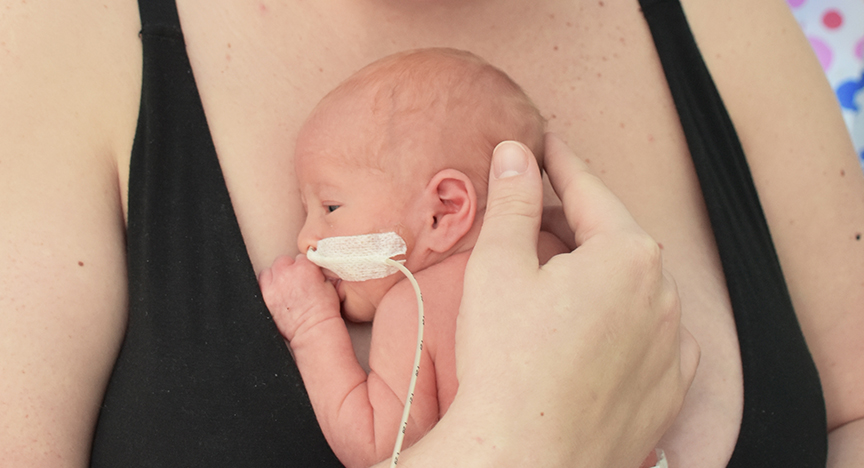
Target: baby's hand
(298, 295)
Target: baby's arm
(305, 307)
(359, 415)
(391, 360)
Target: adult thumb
(514, 206)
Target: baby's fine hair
(464, 106)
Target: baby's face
(345, 200)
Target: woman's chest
(591, 70)
(593, 74)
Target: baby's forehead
(421, 110)
(353, 131)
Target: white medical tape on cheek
(358, 258)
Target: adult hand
(580, 362)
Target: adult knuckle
(670, 297)
(669, 314)
(643, 252)
(673, 305)
(513, 205)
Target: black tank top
(203, 378)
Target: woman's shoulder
(71, 81)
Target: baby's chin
(360, 299)
(355, 308)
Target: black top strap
(158, 13)
(784, 422)
(203, 378)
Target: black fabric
(784, 422)
(203, 378)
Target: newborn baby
(404, 145)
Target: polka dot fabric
(835, 29)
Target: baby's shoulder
(442, 282)
(440, 285)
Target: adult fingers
(513, 209)
(589, 206)
(690, 355)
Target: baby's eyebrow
(324, 190)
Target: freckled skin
(344, 193)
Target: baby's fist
(297, 294)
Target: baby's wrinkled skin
(402, 146)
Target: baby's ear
(451, 205)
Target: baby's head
(405, 145)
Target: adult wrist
(468, 436)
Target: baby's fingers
(270, 278)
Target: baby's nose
(307, 239)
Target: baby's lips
(329, 275)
